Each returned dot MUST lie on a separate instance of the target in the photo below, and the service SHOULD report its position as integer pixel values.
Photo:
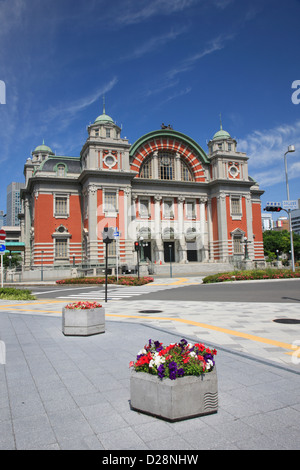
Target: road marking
(239, 334)
(68, 288)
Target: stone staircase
(179, 269)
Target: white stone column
(92, 216)
(205, 251)
(155, 165)
(157, 229)
(222, 227)
(210, 231)
(181, 235)
(177, 167)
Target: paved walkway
(60, 392)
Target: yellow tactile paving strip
(267, 341)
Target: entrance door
(191, 249)
(169, 252)
(147, 250)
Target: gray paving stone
(70, 393)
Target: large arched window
(186, 174)
(146, 170)
(166, 166)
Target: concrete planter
(174, 400)
(83, 322)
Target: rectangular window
(168, 209)
(110, 201)
(61, 206)
(61, 248)
(111, 248)
(108, 133)
(191, 209)
(144, 208)
(236, 206)
(237, 245)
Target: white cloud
(11, 12)
(134, 12)
(68, 111)
(152, 44)
(266, 150)
(186, 65)
(265, 147)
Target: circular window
(233, 171)
(110, 161)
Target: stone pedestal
(83, 322)
(174, 400)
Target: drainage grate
(288, 321)
(150, 311)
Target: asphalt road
(277, 291)
(263, 291)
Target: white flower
(192, 354)
(209, 364)
(158, 359)
(142, 351)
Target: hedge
(10, 293)
(123, 280)
(255, 274)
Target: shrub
(252, 275)
(123, 280)
(10, 293)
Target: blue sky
(181, 62)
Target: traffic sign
(2, 248)
(292, 205)
(116, 233)
(273, 204)
(2, 234)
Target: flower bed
(176, 360)
(257, 274)
(83, 319)
(83, 305)
(123, 280)
(154, 389)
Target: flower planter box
(83, 322)
(174, 400)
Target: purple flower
(158, 346)
(161, 371)
(172, 370)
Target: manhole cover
(150, 311)
(289, 321)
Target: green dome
(221, 134)
(103, 118)
(43, 148)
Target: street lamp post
(291, 148)
(170, 249)
(42, 274)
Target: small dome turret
(43, 149)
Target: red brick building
(164, 190)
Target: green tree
(16, 260)
(280, 240)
